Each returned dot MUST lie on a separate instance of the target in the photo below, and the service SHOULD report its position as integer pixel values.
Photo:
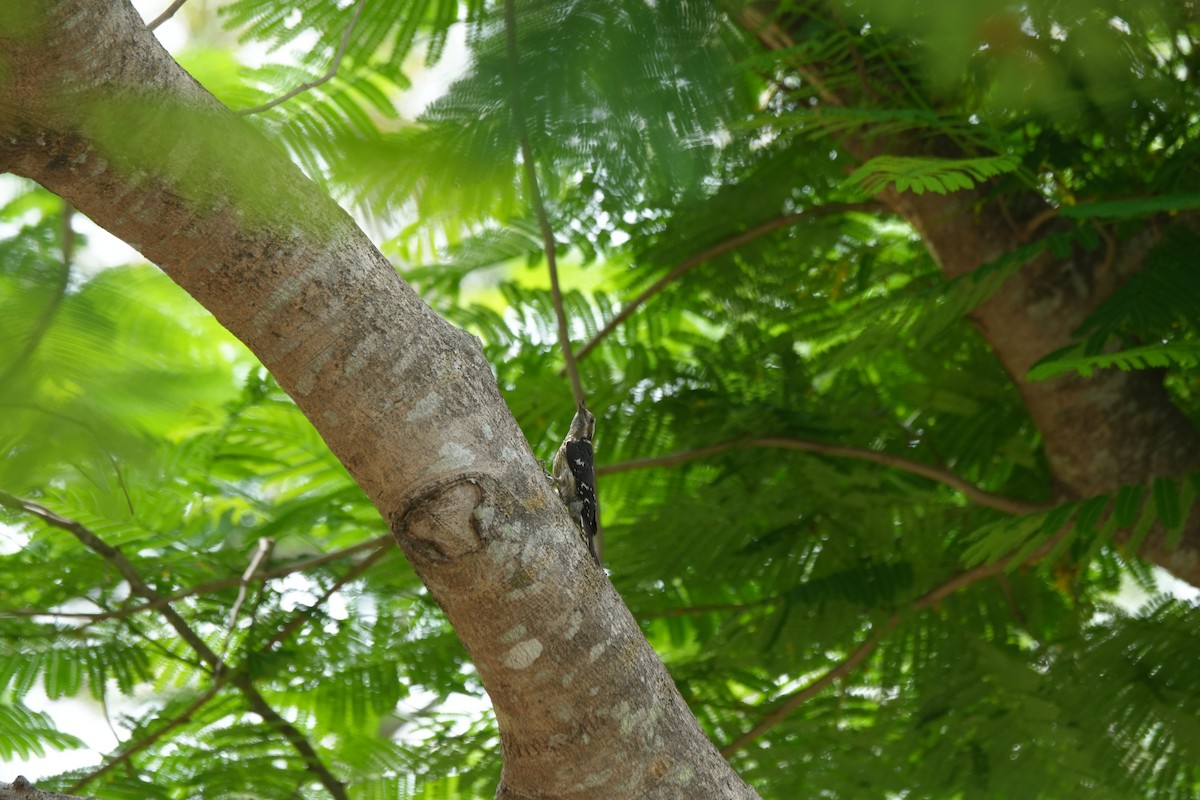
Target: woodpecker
(575, 476)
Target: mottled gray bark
(95, 110)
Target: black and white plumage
(575, 476)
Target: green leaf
(918, 175)
(1183, 355)
(1167, 502)
(1129, 500)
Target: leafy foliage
(920, 175)
(661, 133)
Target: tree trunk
(1111, 429)
(95, 110)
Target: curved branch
(796, 699)
(205, 588)
(129, 752)
(304, 614)
(329, 73)
(1008, 505)
(709, 253)
(773, 37)
(861, 653)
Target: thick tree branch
(1100, 432)
(406, 401)
(22, 789)
(982, 497)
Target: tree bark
(1102, 432)
(22, 789)
(95, 110)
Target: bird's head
(583, 426)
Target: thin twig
(265, 544)
(138, 586)
(705, 609)
(1009, 505)
(535, 198)
(211, 586)
(794, 700)
(121, 483)
(860, 65)
(860, 654)
(119, 562)
(166, 15)
(774, 37)
(289, 731)
(303, 615)
(141, 744)
(329, 74)
(709, 253)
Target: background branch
(708, 253)
(860, 654)
(328, 76)
(138, 586)
(141, 744)
(210, 586)
(265, 544)
(166, 15)
(301, 616)
(535, 200)
(982, 497)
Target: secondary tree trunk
(95, 110)
(1111, 429)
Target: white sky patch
(77, 716)
(430, 83)
(12, 539)
(103, 250)
(1134, 599)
